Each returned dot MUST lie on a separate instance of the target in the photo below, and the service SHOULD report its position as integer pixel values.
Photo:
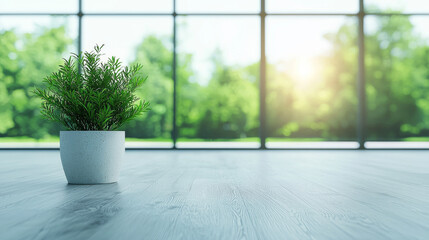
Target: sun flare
(303, 70)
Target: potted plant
(92, 99)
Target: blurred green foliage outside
(397, 78)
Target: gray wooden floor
(221, 195)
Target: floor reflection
(84, 208)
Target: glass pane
(128, 6)
(150, 44)
(312, 6)
(218, 72)
(405, 6)
(31, 48)
(311, 79)
(397, 76)
(40, 6)
(219, 6)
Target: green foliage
(99, 97)
(24, 60)
(157, 59)
(229, 104)
(397, 82)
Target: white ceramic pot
(92, 157)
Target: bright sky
(192, 6)
(121, 35)
(237, 37)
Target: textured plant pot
(92, 157)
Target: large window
(397, 79)
(311, 80)
(233, 74)
(149, 44)
(30, 48)
(217, 94)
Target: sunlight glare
(303, 70)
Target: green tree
(8, 69)
(156, 59)
(324, 106)
(230, 104)
(391, 52)
(22, 69)
(156, 56)
(280, 99)
(337, 96)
